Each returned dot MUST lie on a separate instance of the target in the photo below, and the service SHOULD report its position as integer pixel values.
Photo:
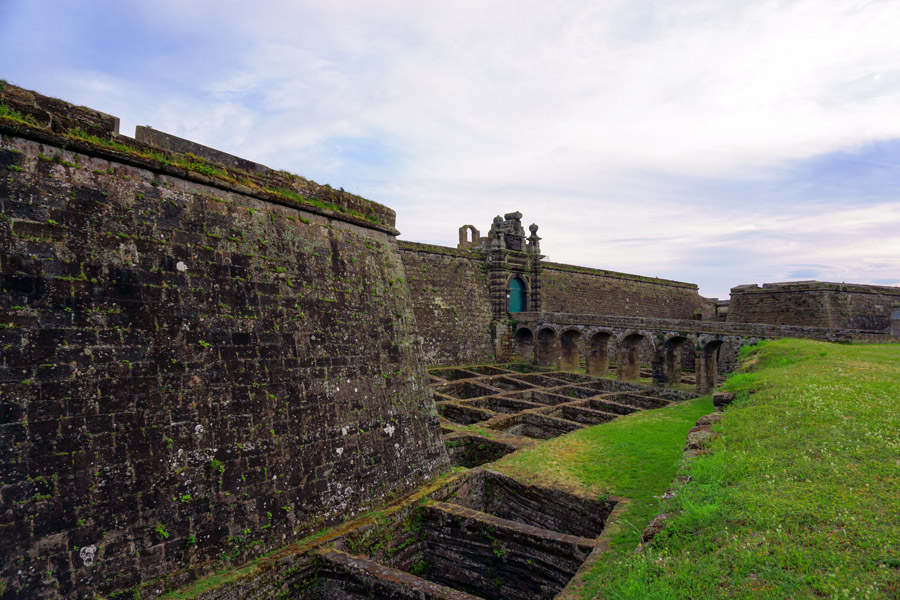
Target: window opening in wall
(516, 295)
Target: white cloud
(591, 118)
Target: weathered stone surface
(710, 419)
(702, 434)
(698, 438)
(449, 292)
(288, 576)
(472, 451)
(571, 289)
(189, 373)
(173, 143)
(815, 303)
(500, 495)
(657, 524)
(55, 114)
(347, 577)
(722, 399)
(495, 558)
(536, 426)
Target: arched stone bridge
(565, 341)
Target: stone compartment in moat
(483, 535)
(488, 411)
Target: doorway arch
(516, 295)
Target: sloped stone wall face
(451, 299)
(837, 306)
(188, 373)
(582, 290)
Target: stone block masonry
(571, 289)
(449, 292)
(191, 369)
(816, 304)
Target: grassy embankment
(634, 457)
(799, 497)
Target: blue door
(516, 295)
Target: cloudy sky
(719, 142)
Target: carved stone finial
(534, 242)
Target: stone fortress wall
(449, 291)
(582, 290)
(196, 363)
(202, 359)
(816, 304)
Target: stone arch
(707, 365)
(516, 294)
(569, 350)
(596, 360)
(524, 344)
(464, 236)
(629, 366)
(547, 350)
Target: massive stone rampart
(815, 303)
(582, 290)
(449, 292)
(196, 363)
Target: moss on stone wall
(189, 374)
(27, 114)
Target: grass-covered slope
(800, 497)
(633, 458)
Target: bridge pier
(569, 351)
(547, 353)
(596, 359)
(629, 364)
(707, 367)
(666, 361)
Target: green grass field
(799, 497)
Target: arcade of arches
(674, 358)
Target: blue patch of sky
(371, 151)
(869, 172)
(805, 273)
(119, 39)
(635, 21)
(720, 256)
(362, 159)
(854, 177)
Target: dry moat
(476, 533)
